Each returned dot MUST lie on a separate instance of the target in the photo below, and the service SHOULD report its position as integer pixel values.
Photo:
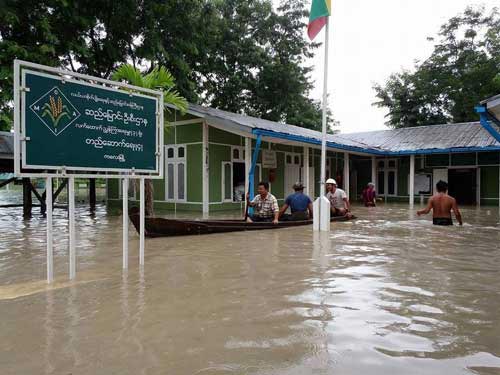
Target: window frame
(175, 161)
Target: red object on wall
(272, 175)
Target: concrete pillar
(374, 171)
(306, 170)
(346, 173)
(412, 181)
(205, 169)
(248, 161)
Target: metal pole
(142, 223)
(50, 250)
(325, 98)
(71, 206)
(125, 222)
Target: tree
(91, 37)
(462, 70)
(158, 78)
(238, 55)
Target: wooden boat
(160, 227)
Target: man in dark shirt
(299, 203)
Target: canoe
(160, 227)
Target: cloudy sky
(371, 40)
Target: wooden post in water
(27, 201)
(92, 198)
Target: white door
(292, 175)
(439, 174)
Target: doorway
(462, 185)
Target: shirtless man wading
(441, 205)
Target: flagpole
(325, 98)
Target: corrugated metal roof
(217, 115)
(6, 145)
(417, 139)
(448, 136)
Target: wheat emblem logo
(55, 111)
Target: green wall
(194, 173)
(217, 154)
(489, 185)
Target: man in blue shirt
(299, 203)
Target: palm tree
(159, 78)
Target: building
(209, 157)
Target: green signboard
(77, 125)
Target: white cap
(331, 181)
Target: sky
(369, 40)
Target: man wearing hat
(299, 203)
(339, 203)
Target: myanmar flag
(320, 9)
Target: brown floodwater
(386, 294)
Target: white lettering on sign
(100, 143)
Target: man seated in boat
(441, 205)
(300, 205)
(265, 205)
(339, 204)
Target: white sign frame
(269, 159)
(21, 67)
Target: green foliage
(238, 55)
(157, 79)
(462, 70)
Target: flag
(320, 9)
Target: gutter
(485, 117)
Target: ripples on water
(388, 293)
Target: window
(293, 159)
(238, 154)
(170, 152)
(175, 173)
(387, 177)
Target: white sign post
(96, 128)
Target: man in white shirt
(339, 204)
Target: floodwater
(386, 294)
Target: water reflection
(388, 293)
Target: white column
(50, 249)
(478, 184)
(346, 173)
(374, 171)
(142, 222)
(205, 174)
(412, 181)
(125, 222)
(248, 161)
(71, 207)
(306, 170)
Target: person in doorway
(369, 195)
(441, 205)
(300, 205)
(339, 204)
(265, 205)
